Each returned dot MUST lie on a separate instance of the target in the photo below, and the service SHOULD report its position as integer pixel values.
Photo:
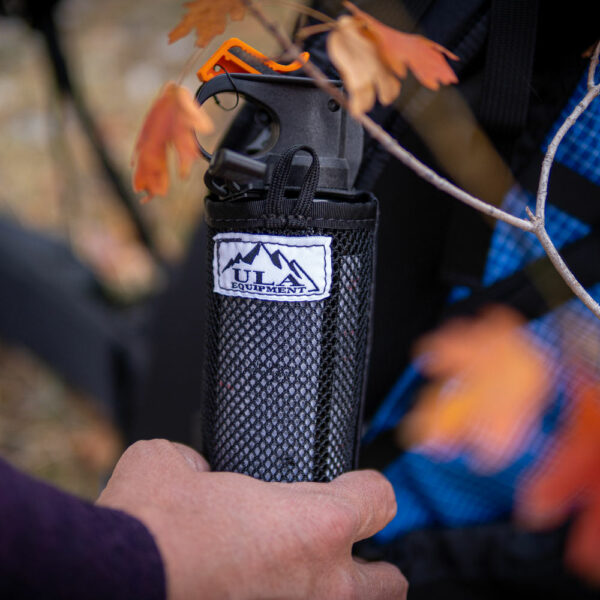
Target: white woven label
(272, 267)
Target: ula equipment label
(272, 267)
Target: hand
(224, 535)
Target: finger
(193, 458)
(370, 497)
(138, 461)
(380, 581)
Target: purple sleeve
(54, 545)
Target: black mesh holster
(285, 373)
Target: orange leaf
(583, 545)
(173, 119)
(400, 51)
(365, 76)
(208, 18)
(490, 385)
(371, 58)
(569, 480)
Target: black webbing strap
(463, 28)
(416, 9)
(538, 288)
(465, 34)
(568, 191)
(279, 180)
(508, 67)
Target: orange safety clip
(235, 56)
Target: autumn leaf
(173, 120)
(570, 481)
(208, 18)
(371, 59)
(365, 76)
(400, 51)
(489, 385)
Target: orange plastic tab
(223, 60)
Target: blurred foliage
(49, 180)
(50, 430)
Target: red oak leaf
(365, 76)
(208, 18)
(173, 120)
(569, 482)
(489, 385)
(400, 51)
(371, 59)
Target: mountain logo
(269, 267)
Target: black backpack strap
(492, 562)
(538, 288)
(502, 111)
(463, 29)
(508, 69)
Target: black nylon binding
(281, 174)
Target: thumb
(193, 458)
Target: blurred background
(59, 122)
(94, 352)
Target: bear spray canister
(291, 264)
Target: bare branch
(189, 63)
(379, 134)
(535, 222)
(564, 271)
(312, 30)
(542, 192)
(593, 65)
(301, 8)
(397, 151)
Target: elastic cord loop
(281, 174)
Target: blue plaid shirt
(430, 491)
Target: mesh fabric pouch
(289, 313)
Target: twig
(301, 8)
(565, 272)
(538, 219)
(535, 224)
(379, 134)
(189, 63)
(593, 65)
(313, 30)
(397, 151)
(542, 192)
